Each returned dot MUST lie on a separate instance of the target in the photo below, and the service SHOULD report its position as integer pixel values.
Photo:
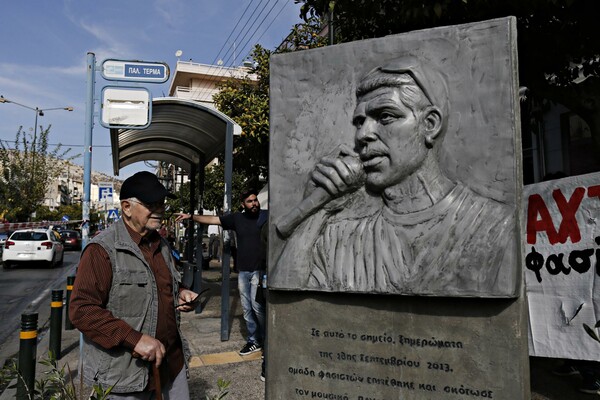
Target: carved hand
(339, 174)
(332, 177)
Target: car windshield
(29, 236)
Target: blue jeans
(254, 312)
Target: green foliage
(7, 373)
(98, 393)
(214, 188)
(223, 386)
(304, 36)
(552, 34)
(56, 383)
(247, 103)
(44, 213)
(26, 171)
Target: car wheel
(6, 265)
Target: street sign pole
(87, 168)
(87, 151)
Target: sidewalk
(213, 359)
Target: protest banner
(562, 270)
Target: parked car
(71, 239)
(23, 245)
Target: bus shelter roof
(182, 132)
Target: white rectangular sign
(125, 107)
(562, 270)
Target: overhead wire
(259, 25)
(62, 144)
(233, 30)
(233, 48)
(198, 92)
(206, 87)
(285, 4)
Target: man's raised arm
(201, 219)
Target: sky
(44, 46)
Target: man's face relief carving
(387, 138)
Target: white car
(33, 245)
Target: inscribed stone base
(359, 347)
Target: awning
(182, 132)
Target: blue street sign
(105, 192)
(135, 71)
(65, 218)
(113, 214)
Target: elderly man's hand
(187, 300)
(150, 349)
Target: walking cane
(155, 375)
(157, 387)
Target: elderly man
(127, 298)
(384, 218)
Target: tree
(247, 103)
(558, 40)
(44, 213)
(214, 187)
(26, 171)
(214, 190)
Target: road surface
(27, 288)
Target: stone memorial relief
(397, 165)
(394, 248)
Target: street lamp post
(40, 112)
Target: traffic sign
(135, 71)
(105, 192)
(65, 218)
(113, 214)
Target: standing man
(127, 298)
(250, 261)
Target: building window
(580, 152)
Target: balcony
(201, 95)
(197, 81)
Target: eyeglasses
(152, 206)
